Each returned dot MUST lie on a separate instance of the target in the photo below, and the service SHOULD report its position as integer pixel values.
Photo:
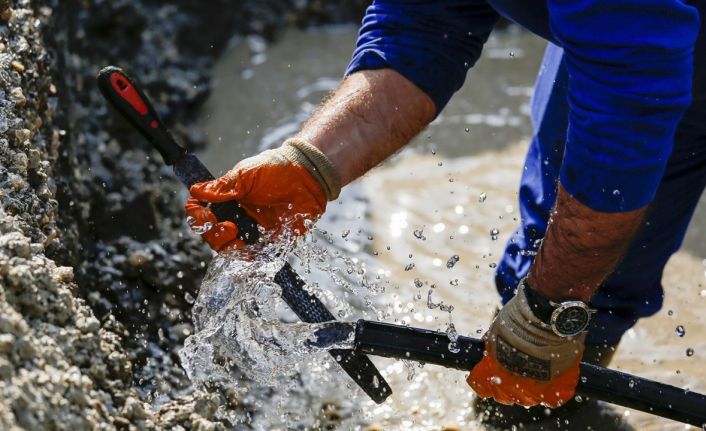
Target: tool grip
(190, 171)
(127, 97)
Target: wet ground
(456, 183)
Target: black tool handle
(125, 95)
(403, 342)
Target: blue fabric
(605, 110)
(629, 61)
(634, 290)
(432, 44)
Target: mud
(97, 271)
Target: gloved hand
(526, 363)
(280, 189)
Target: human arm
(411, 57)
(370, 116)
(629, 83)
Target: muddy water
(453, 186)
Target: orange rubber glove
(280, 189)
(526, 363)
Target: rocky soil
(97, 268)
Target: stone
(19, 67)
(17, 96)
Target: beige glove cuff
(316, 162)
(539, 349)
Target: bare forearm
(368, 117)
(581, 248)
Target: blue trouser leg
(634, 289)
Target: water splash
(241, 323)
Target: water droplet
(453, 347)
(180, 274)
(345, 233)
(496, 380)
(199, 230)
(418, 283)
(467, 130)
(290, 206)
(419, 234)
(409, 267)
(512, 53)
(493, 265)
(680, 331)
(482, 197)
(631, 383)
(453, 260)
(376, 382)
(189, 298)
(454, 282)
(494, 232)
(440, 164)
(670, 313)
(689, 352)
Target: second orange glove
(280, 189)
(526, 363)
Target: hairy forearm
(581, 248)
(366, 119)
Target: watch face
(570, 319)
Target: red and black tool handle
(125, 95)
(416, 344)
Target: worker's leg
(634, 290)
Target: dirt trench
(97, 269)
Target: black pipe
(125, 95)
(403, 342)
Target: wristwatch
(565, 319)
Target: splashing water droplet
(680, 331)
(453, 260)
(198, 229)
(409, 267)
(345, 233)
(189, 298)
(419, 234)
(418, 283)
(689, 352)
(454, 347)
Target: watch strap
(541, 307)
